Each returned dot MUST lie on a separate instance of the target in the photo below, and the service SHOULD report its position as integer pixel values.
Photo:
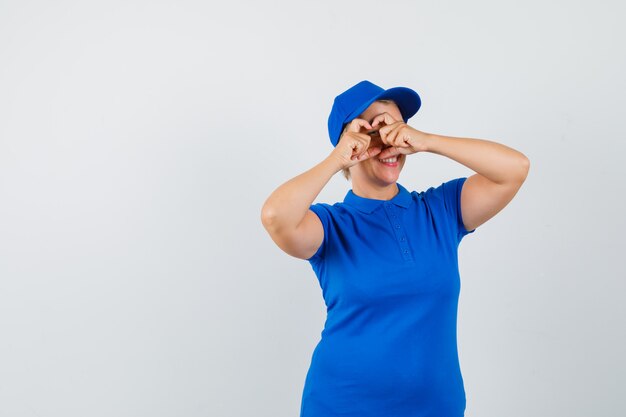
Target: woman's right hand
(353, 146)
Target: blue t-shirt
(390, 281)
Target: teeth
(389, 160)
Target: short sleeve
(323, 212)
(451, 191)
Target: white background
(139, 140)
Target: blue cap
(354, 101)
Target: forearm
(288, 204)
(495, 161)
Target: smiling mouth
(392, 161)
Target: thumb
(389, 152)
(373, 151)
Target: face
(373, 170)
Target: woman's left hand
(402, 138)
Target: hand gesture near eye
(354, 145)
(400, 137)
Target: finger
(378, 119)
(355, 146)
(404, 137)
(372, 132)
(393, 131)
(383, 117)
(364, 138)
(356, 124)
(385, 130)
(382, 132)
(395, 137)
(389, 152)
(360, 145)
(373, 151)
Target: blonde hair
(346, 171)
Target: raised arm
(286, 215)
(500, 173)
(500, 170)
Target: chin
(388, 178)
(391, 180)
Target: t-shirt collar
(368, 205)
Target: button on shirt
(389, 276)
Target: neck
(375, 192)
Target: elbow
(268, 216)
(271, 218)
(523, 168)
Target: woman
(386, 258)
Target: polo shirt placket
(393, 215)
